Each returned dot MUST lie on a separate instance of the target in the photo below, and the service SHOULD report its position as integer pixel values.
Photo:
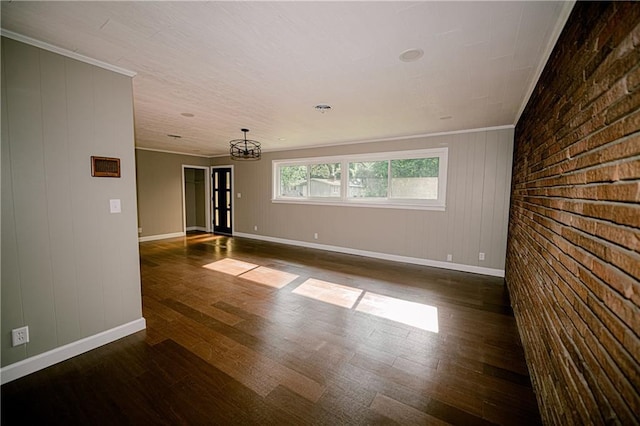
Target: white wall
(69, 268)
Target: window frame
(344, 160)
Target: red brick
(629, 169)
(633, 79)
(636, 35)
(625, 148)
(573, 256)
(627, 192)
(623, 107)
(631, 123)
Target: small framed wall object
(105, 167)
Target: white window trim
(343, 200)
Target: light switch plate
(114, 206)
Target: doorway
(196, 213)
(222, 199)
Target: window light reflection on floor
(419, 315)
(269, 277)
(414, 314)
(230, 266)
(324, 291)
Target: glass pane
(217, 221)
(228, 217)
(415, 178)
(368, 179)
(293, 181)
(228, 199)
(228, 180)
(324, 180)
(215, 180)
(215, 197)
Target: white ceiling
(265, 65)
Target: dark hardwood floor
(221, 349)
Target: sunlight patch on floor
(230, 266)
(414, 314)
(270, 277)
(327, 292)
(419, 315)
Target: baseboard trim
(160, 237)
(385, 256)
(197, 228)
(38, 362)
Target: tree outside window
(368, 179)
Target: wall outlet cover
(20, 336)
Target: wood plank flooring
(222, 349)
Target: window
(403, 179)
(415, 178)
(324, 180)
(293, 181)
(368, 179)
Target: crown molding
(65, 52)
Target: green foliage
(417, 167)
(290, 177)
(325, 171)
(369, 178)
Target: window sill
(369, 204)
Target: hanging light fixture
(245, 149)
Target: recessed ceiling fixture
(446, 117)
(323, 108)
(411, 55)
(175, 136)
(244, 149)
(187, 114)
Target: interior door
(222, 200)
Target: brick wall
(573, 256)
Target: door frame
(207, 194)
(233, 203)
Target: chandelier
(245, 149)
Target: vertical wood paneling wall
(159, 186)
(573, 259)
(475, 220)
(69, 268)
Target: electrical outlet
(449, 258)
(139, 230)
(239, 195)
(315, 236)
(255, 227)
(20, 336)
(481, 256)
